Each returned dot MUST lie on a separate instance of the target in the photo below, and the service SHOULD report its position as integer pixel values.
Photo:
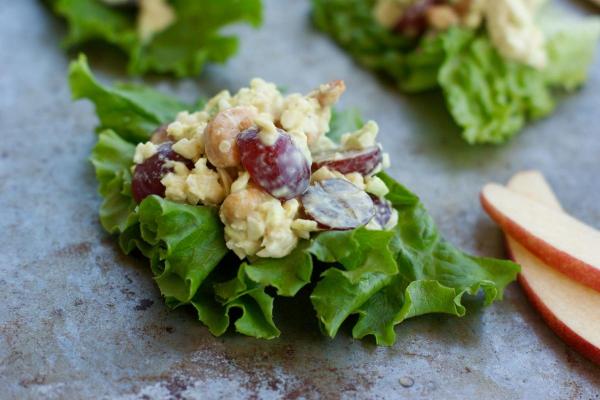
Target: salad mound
(496, 62)
(257, 195)
(250, 155)
(163, 36)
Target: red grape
(414, 19)
(361, 161)
(383, 210)
(337, 204)
(147, 175)
(281, 169)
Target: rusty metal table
(80, 320)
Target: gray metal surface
(80, 320)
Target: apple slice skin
(533, 185)
(565, 263)
(568, 335)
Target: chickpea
(221, 133)
(238, 205)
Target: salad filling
(511, 24)
(264, 160)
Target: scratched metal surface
(79, 320)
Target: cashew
(329, 93)
(442, 17)
(220, 135)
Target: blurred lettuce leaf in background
(490, 98)
(181, 49)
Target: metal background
(80, 320)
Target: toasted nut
(238, 205)
(388, 12)
(221, 133)
(329, 93)
(441, 17)
(160, 135)
(463, 7)
(226, 180)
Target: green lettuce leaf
(568, 40)
(433, 275)
(350, 23)
(133, 111)
(246, 292)
(112, 158)
(191, 242)
(287, 275)
(366, 265)
(251, 299)
(489, 97)
(343, 122)
(90, 20)
(421, 66)
(182, 49)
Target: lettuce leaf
(489, 97)
(191, 242)
(287, 275)
(112, 158)
(182, 49)
(568, 40)
(90, 20)
(351, 24)
(133, 111)
(433, 274)
(388, 277)
(366, 264)
(383, 277)
(247, 292)
(343, 122)
(250, 297)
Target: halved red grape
(337, 204)
(414, 18)
(361, 161)
(281, 169)
(147, 175)
(383, 210)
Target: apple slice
(558, 239)
(568, 307)
(533, 185)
